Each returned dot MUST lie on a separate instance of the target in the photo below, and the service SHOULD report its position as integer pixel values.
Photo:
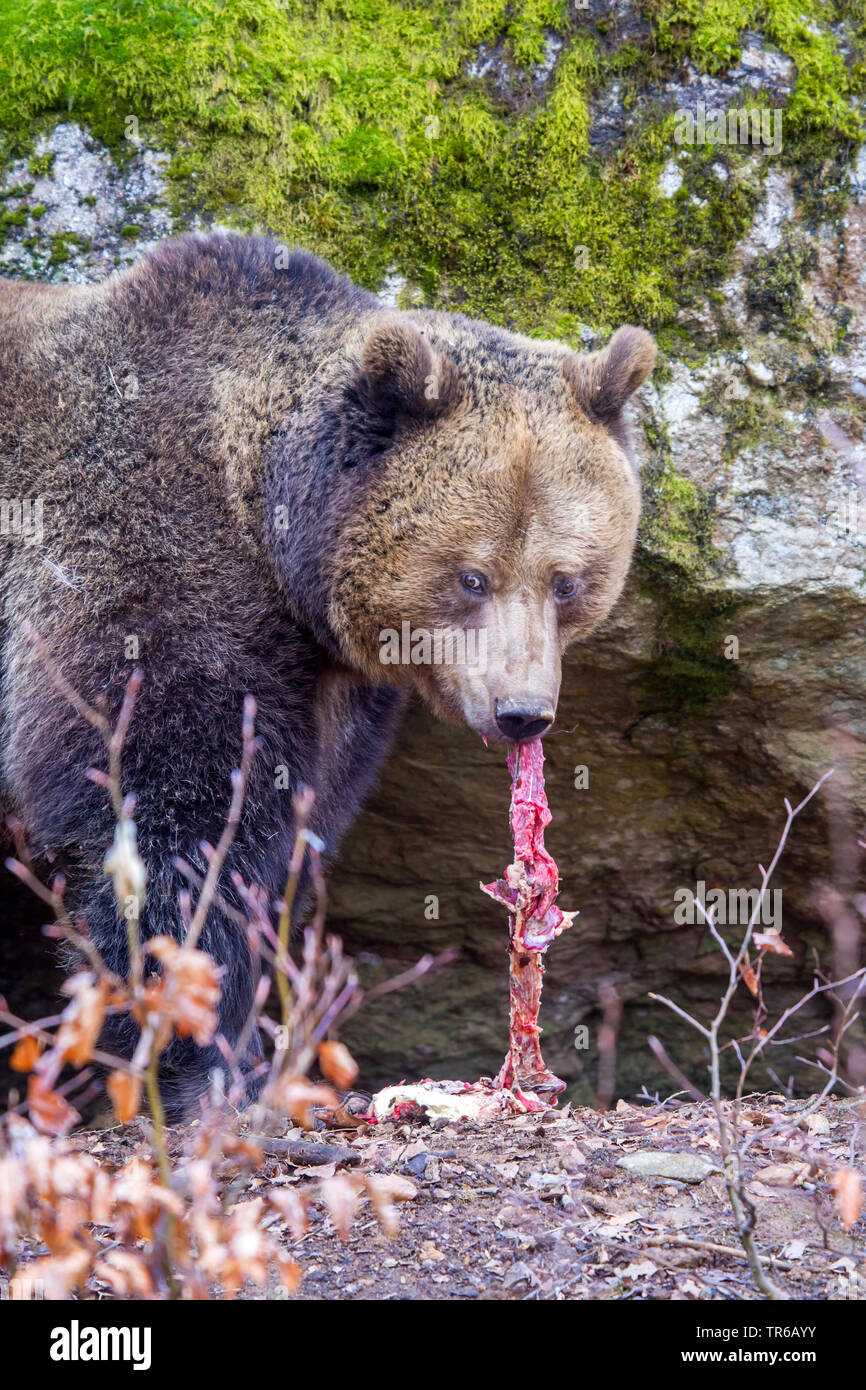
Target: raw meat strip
(528, 891)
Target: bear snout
(519, 720)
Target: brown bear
(232, 467)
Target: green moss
(710, 33)
(745, 425)
(355, 129)
(60, 252)
(775, 284)
(675, 566)
(63, 245)
(16, 190)
(748, 415)
(675, 526)
(42, 164)
(526, 29)
(130, 229)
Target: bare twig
(216, 858)
(732, 1153)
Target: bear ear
(403, 375)
(603, 381)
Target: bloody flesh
(528, 891)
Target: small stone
(760, 374)
(670, 179)
(655, 1163)
(699, 320)
(519, 1273)
(818, 1124)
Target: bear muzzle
(520, 720)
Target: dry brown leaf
(125, 1273)
(384, 1192)
(318, 1170)
(783, 1174)
(757, 1117)
(292, 1208)
(124, 1091)
(296, 1096)
(771, 940)
(57, 1276)
(188, 993)
(613, 1226)
(657, 1121)
(430, 1253)
(341, 1195)
(291, 1273)
(25, 1053)
(82, 1018)
(848, 1195)
(48, 1110)
(338, 1064)
(247, 1244)
(623, 1108)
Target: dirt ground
(543, 1208)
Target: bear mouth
(533, 730)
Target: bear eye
(565, 587)
(474, 583)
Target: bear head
(471, 509)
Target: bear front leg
(185, 1068)
(260, 857)
(181, 778)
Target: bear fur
(249, 467)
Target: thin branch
(240, 782)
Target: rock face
(732, 674)
(81, 216)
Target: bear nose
(520, 721)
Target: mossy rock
(368, 131)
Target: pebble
(656, 1163)
(760, 374)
